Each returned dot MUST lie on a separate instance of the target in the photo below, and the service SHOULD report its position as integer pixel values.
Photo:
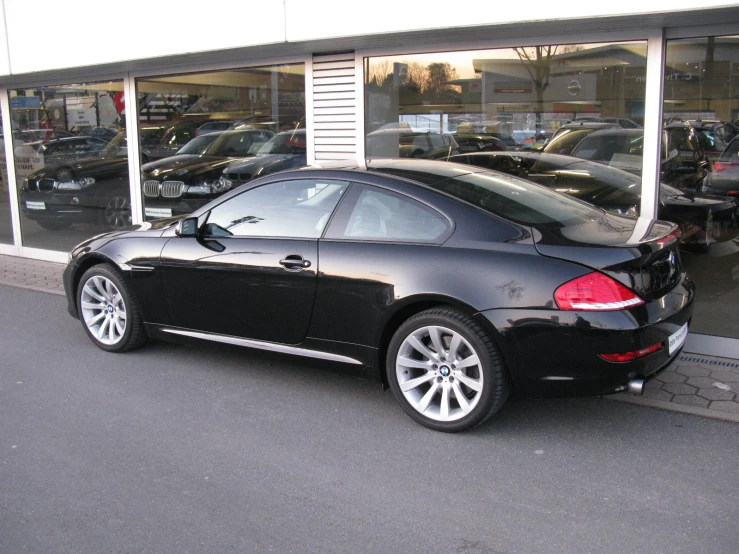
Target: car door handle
(295, 261)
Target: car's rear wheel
(445, 370)
(108, 311)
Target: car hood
(185, 166)
(86, 168)
(265, 161)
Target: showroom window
(701, 162)
(529, 99)
(195, 127)
(6, 223)
(71, 165)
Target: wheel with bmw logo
(445, 370)
(108, 311)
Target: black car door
(252, 272)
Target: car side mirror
(187, 227)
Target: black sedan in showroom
(456, 284)
(83, 191)
(182, 183)
(286, 150)
(703, 219)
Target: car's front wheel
(445, 370)
(108, 311)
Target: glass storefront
(543, 99)
(71, 162)
(570, 118)
(6, 224)
(203, 133)
(701, 111)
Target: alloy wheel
(118, 212)
(439, 373)
(103, 310)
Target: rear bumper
(556, 353)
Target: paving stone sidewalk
(695, 384)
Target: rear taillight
(669, 238)
(595, 292)
(718, 166)
(633, 355)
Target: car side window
(295, 208)
(376, 214)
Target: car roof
(588, 125)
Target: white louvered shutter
(335, 106)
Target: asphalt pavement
(209, 448)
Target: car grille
(45, 185)
(166, 189)
(151, 188)
(172, 189)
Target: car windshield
(565, 140)
(117, 147)
(731, 153)
(621, 150)
(236, 143)
(284, 143)
(198, 145)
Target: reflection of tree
(379, 71)
(537, 62)
(439, 74)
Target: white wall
(57, 34)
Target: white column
(132, 136)
(652, 134)
(12, 184)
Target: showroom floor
(702, 385)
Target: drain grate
(710, 361)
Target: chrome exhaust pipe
(636, 386)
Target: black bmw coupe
(457, 284)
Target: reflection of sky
(462, 61)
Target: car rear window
(731, 153)
(518, 200)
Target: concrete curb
(37, 289)
(671, 406)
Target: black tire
(133, 334)
(489, 374)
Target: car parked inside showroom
(724, 179)
(454, 284)
(568, 136)
(92, 190)
(286, 150)
(180, 184)
(703, 219)
(683, 163)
